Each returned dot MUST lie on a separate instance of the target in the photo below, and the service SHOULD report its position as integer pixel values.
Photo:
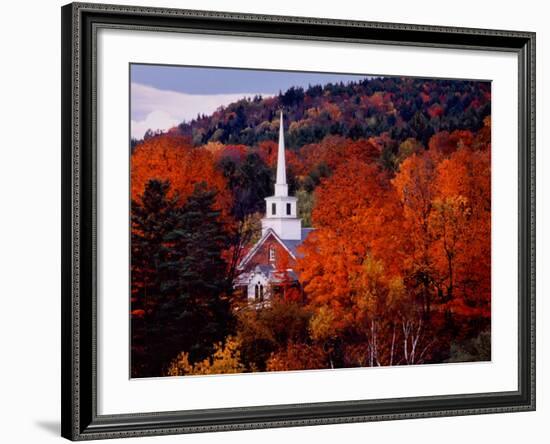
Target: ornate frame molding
(80, 22)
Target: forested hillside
(401, 107)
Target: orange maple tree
(335, 252)
(173, 158)
(462, 218)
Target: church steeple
(281, 208)
(281, 187)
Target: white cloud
(155, 120)
(155, 109)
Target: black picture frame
(79, 170)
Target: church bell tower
(281, 211)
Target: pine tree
(179, 286)
(197, 312)
(153, 217)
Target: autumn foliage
(174, 159)
(396, 256)
(396, 272)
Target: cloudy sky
(163, 96)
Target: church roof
(292, 245)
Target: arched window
(257, 291)
(261, 292)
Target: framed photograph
(278, 221)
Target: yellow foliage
(213, 147)
(226, 359)
(369, 286)
(321, 325)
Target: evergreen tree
(250, 182)
(179, 286)
(153, 217)
(196, 311)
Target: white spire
(281, 210)
(281, 187)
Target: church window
(273, 208)
(288, 208)
(271, 254)
(257, 291)
(261, 292)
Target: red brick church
(270, 262)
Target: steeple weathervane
(281, 187)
